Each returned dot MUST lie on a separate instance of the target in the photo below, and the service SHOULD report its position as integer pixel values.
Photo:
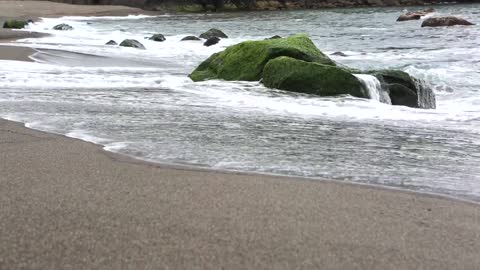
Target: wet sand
(66, 203)
(69, 204)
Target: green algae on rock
(294, 75)
(15, 24)
(245, 61)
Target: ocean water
(141, 102)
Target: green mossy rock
(14, 24)
(245, 61)
(406, 90)
(295, 75)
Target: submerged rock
(111, 42)
(444, 21)
(213, 33)
(414, 15)
(15, 24)
(190, 38)
(274, 37)
(245, 61)
(405, 90)
(157, 37)
(63, 27)
(211, 41)
(339, 54)
(132, 43)
(295, 75)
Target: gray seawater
(141, 103)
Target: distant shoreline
(190, 6)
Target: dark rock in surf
(414, 15)
(339, 54)
(274, 37)
(444, 21)
(111, 42)
(211, 41)
(63, 27)
(190, 38)
(406, 90)
(132, 43)
(15, 24)
(213, 33)
(157, 37)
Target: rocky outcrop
(211, 41)
(213, 33)
(414, 15)
(295, 64)
(63, 27)
(245, 61)
(111, 42)
(158, 38)
(445, 21)
(217, 5)
(15, 24)
(132, 43)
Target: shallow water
(142, 103)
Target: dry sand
(67, 204)
(37, 9)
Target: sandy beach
(68, 204)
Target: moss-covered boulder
(245, 61)
(295, 75)
(406, 90)
(15, 24)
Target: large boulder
(295, 64)
(63, 27)
(132, 43)
(406, 90)
(444, 21)
(158, 38)
(245, 61)
(213, 33)
(15, 24)
(295, 75)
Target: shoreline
(120, 157)
(51, 180)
